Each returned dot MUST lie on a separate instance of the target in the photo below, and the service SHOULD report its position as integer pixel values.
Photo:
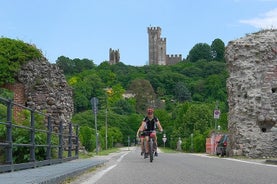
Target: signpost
(94, 104)
(216, 127)
(164, 139)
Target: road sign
(216, 114)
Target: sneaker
(156, 154)
(145, 155)
(141, 153)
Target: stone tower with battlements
(114, 56)
(157, 49)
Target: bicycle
(151, 144)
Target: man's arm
(160, 126)
(138, 132)
(141, 128)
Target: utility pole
(106, 124)
(94, 103)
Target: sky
(87, 29)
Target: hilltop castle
(114, 56)
(157, 49)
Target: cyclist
(150, 123)
(141, 136)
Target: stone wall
(46, 90)
(252, 94)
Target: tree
(86, 86)
(65, 64)
(74, 66)
(181, 92)
(144, 94)
(86, 138)
(218, 49)
(200, 51)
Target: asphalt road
(128, 167)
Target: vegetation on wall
(13, 54)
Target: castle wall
(252, 95)
(173, 59)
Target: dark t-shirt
(150, 124)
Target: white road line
(98, 175)
(251, 162)
(236, 160)
(94, 178)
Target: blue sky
(89, 28)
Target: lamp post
(106, 132)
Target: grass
(100, 153)
(168, 150)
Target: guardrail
(51, 151)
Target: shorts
(151, 134)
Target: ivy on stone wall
(14, 53)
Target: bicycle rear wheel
(151, 150)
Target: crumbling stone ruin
(42, 86)
(252, 94)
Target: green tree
(86, 138)
(66, 64)
(144, 94)
(181, 92)
(86, 86)
(218, 49)
(74, 66)
(200, 51)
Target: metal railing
(51, 150)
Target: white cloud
(266, 21)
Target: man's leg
(142, 145)
(156, 146)
(146, 146)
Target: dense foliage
(184, 96)
(14, 53)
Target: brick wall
(19, 96)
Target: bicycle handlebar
(150, 131)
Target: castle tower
(157, 46)
(114, 56)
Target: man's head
(150, 111)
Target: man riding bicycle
(149, 125)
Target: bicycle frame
(151, 143)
